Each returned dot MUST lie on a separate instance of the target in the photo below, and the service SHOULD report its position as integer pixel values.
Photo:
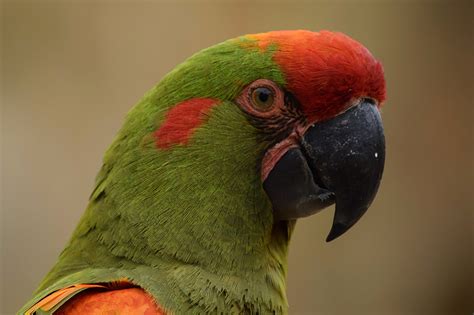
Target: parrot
(198, 195)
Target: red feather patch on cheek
(182, 120)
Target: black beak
(340, 160)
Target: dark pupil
(263, 95)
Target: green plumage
(190, 224)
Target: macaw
(198, 195)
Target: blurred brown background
(72, 69)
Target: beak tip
(337, 230)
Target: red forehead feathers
(326, 71)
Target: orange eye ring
(262, 98)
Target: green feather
(190, 224)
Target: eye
(263, 98)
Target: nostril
(368, 100)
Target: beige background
(71, 70)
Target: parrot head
(308, 121)
(215, 164)
(247, 134)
